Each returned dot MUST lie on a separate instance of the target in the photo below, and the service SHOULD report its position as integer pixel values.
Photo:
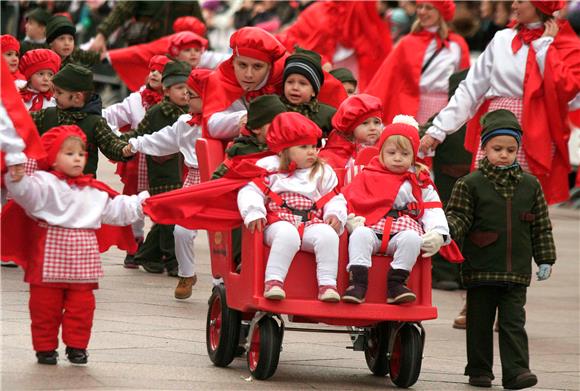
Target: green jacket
(244, 145)
(320, 113)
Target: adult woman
(413, 79)
(533, 70)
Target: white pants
(184, 250)
(284, 240)
(405, 247)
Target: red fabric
(574, 117)
(291, 129)
(195, 119)
(189, 23)
(445, 7)
(332, 91)
(396, 82)
(158, 62)
(8, 43)
(526, 36)
(38, 60)
(197, 80)
(548, 7)
(36, 97)
(338, 150)
(355, 110)
(150, 97)
(256, 43)
(185, 40)
(400, 129)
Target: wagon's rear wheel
(376, 348)
(406, 357)
(222, 328)
(264, 351)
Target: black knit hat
(263, 109)
(73, 77)
(59, 25)
(40, 15)
(175, 72)
(344, 75)
(500, 123)
(308, 64)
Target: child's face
(12, 60)
(260, 133)
(395, 158)
(68, 99)
(250, 72)
(349, 87)
(369, 131)
(35, 30)
(71, 158)
(190, 56)
(177, 94)
(195, 104)
(297, 89)
(63, 45)
(41, 80)
(303, 155)
(501, 150)
(154, 80)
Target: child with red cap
(301, 210)
(187, 46)
(395, 210)
(61, 211)
(39, 66)
(10, 49)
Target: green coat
(244, 145)
(321, 114)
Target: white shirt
(179, 137)
(10, 141)
(128, 112)
(447, 62)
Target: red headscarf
(548, 7)
(445, 7)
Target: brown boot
(357, 286)
(397, 291)
(460, 322)
(184, 287)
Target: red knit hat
(53, 139)
(548, 7)
(37, 60)
(8, 42)
(291, 129)
(185, 40)
(445, 7)
(189, 23)
(197, 80)
(256, 43)
(355, 110)
(403, 125)
(157, 63)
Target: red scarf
(150, 97)
(36, 97)
(85, 180)
(526, 36)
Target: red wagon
(240, 319)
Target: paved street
(145, 339)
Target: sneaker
(480, 381)
(523, 380)
(273, 290)
(48, 358)
(77, 356)
(184, 287)
(460, 322)
(328, 294)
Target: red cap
(403, 125)
(548, 7)
(8, 42)
(355, 110)
(445, 7)
(53, 139)
(256, 43)
(185, 40)
(291, 129)
(189, 23)
(158, 62)
(37, 60)
(197, 80)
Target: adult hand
(551, 28)
(127, 151)
(16, 172)
(257, 224)
(431, 243)
(427, 144)
(353, 222)
(99, 44)
(334, 222)
(544, 272)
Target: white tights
(184, 250)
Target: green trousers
(158, 248)
(482, 302)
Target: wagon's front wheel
(264, 351)
(376, 348)
(406, 357)
(222, 329)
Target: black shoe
(129, 262)
(172, 271)
(523, 380)
(357, 289)
(47, 358)
(77, 356)
(480, 381)
(445, 285)
(150, 267)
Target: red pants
(49, 307)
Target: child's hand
(334, 222)
(127, 152)
(431, 243)
(428, 144)
(257, 224)
(16, 172)
(353, 222)
(544, 272)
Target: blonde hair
(443, 30)
(404, 144)
(285, 163)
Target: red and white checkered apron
(192, 177)
(430, 103)
(296, 201)
(30, 166)
(71, 255)
(142, 180)
(402, 223)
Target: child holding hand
(39, 66)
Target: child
(60, 37)
(498, 251)
(303, 78)
(35, 29)
(395, 211)
(76, 103)
(38, 67)
(180, 137)
(10, 49)
(187, 46)
(345, 76)
(164, 173)
(299, 183)
(67, 208)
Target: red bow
(195, 119)
(36, 97)
(150, 97)
(526, 35)
(428, 35)
(85, 180)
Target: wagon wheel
(405, 361)
(376, 348)
(222, 328)
(264, 351)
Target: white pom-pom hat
(403, 125)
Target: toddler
(38, 67)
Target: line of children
(38, 67)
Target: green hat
(454, 81)
(500, 123)
(308, 64)
(344, 75)
(75, 78)
(59, 25)
(175, 72)
(40, 15)
(263, 109)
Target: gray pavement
(144, 339)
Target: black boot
(357, 289)
(77, 356)
(47, 358)
(129, 262)
(397, 291)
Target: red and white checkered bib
(142, 179)
(296, 201)
(192, 178)
(71, 255)
(430, 103)
(402, 223)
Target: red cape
(338, 150)
(396, 82)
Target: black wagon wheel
(222, 328)
(376, 348)
(264, 351)
(406, 357)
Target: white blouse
(10, 141)
(447, 62)
(128, 112)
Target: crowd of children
(332, 160)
